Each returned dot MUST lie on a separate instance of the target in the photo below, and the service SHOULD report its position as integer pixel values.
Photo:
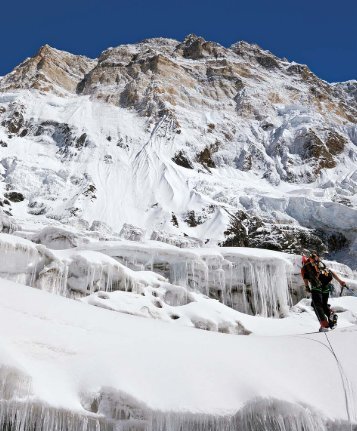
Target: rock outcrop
(50, 70)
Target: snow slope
(144, 368)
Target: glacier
(154, 206)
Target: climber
(325, 277)
(317, 279)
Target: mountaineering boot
(332, 321)
(335, 317)
(324, 326)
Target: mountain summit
(50, 70)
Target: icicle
(36, 416)
(21, 259)
(246, 282)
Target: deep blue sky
(319, 33)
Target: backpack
(325, 275)
(310, 272)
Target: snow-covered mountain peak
(170, 187)
(195, 138)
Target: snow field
(136, 359)
(87, 353)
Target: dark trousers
(319, 304)
(326, 307)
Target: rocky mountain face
(233, 146)
(50, 70)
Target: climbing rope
(340, 369)
(343, 379)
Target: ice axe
(350, 290)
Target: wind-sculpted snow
(68, 366)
